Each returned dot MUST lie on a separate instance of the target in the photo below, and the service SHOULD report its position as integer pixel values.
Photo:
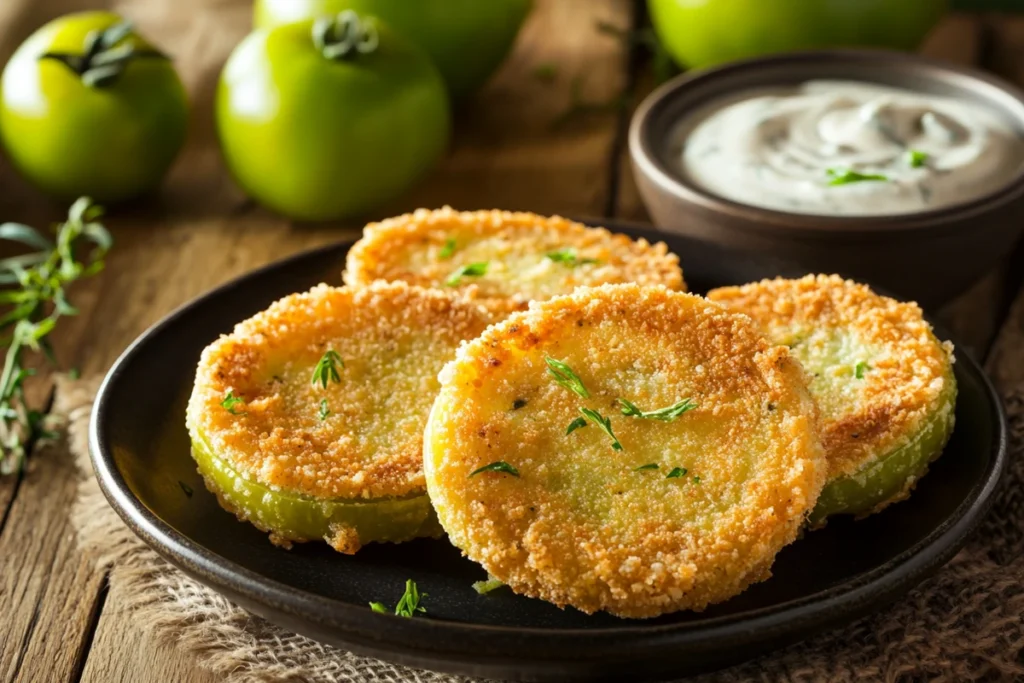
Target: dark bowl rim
(646, 161)
(438, 641)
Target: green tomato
(79, 123)
(293, 517)
(699, 33)
(321, 138)
(467, 39)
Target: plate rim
(833, 605)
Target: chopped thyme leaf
(468, 270)
(186, 489)
(407, 605)
(666, 414)
(565, 377)
(485, 587)
(546, 72)
(604, 423)
(916, 158)
(324, 410)
(676, 473)
(578, 423)
(499, 466)
(448, 249)
(326, 369)
(648, 466)
(74, 373)
(845, 176)
(229, 403)
(859, 368)
(410, 602)
(696, 479)
(569, 258)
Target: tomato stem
(105, 55)
(345, 36)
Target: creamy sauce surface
(848, 148)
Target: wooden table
(550, 146)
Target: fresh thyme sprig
(499, 466)
(666, 414)
(570, 258)
(37, 299)
(566, 377)
(469, 270)
(604, 423)
(326, 369)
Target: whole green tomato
(700, 33)
(330, 119)
(467, 39)
(87, 107)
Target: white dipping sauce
(807, 149)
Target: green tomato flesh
(886, 478)
(111, 142)
(318, 139)
(300, 518)
(699, 33)
(466, 39)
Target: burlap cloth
(965, 623)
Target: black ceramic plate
(140, 450)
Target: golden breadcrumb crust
(411, 248)
(581, 525)
(833, 325)
(393, 340)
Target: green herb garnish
(499, 466)
(447, 250)
(74, 373)
(229, 403)
(410, 602)
(845, 176)
(408, 605)
(648, 466)
(916, 158)
(575, 424)
(696, 479)
(468, 270)
(324, 410)
(36, 298)
(326, 369)
(569, 258)
(485, 587)
(604, 423)
(676, 473)
(666, 414)
(859, 368)
(565, 377)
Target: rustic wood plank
(118, 656)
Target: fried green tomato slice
(505, 260)
(307, 420)
(537, 473)
(884, 383)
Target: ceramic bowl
(930, 256)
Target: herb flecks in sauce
(845, 176)
(916, 158)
